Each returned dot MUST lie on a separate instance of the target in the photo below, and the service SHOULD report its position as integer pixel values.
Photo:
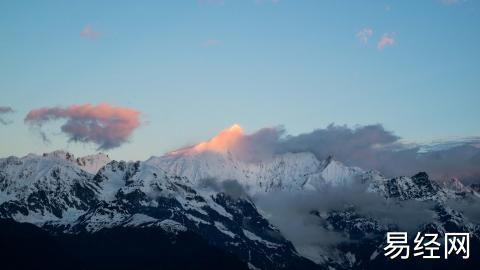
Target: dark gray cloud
(369, 147)
(5, 110)
(230, 187)
(469, 208)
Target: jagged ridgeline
(201, 211)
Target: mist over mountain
(368, 147)
(239, 134)
(288, 210)
(265, 200)
(324, 206)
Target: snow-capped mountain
(57, 195)
(90, 163)
(303, 171)
(290, 171)
(293, 172)
(36, 189)
(186, 194)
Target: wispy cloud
(104, 125)
(5, 110)
(364, 34)
(89, 33)
(386, 40)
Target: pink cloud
(105, 125)
(89, 33)
(386, 40)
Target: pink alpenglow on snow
(104, 125)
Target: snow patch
(224, 229)
(256, 238)
(196, 220)
(139, 219)
(172, 226)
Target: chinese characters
(427, 245)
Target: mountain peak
(336, 173)
(421, 175)
(220, 143)
(90, 163)
(62, 154)
(93, 163)
(328, 159)
(287, 171)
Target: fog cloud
(230, 187)
(312, 235)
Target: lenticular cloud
(104, 125)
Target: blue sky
(193, 68)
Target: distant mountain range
(200, 210)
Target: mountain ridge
(57, 194)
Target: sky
(189, 69)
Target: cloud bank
(291, 212)
(104, 125)
(230, 187)
(373, 147)
(368, 147)
(5, 110)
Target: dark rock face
(26, 246)
(418, 186)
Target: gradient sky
(193, 68)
